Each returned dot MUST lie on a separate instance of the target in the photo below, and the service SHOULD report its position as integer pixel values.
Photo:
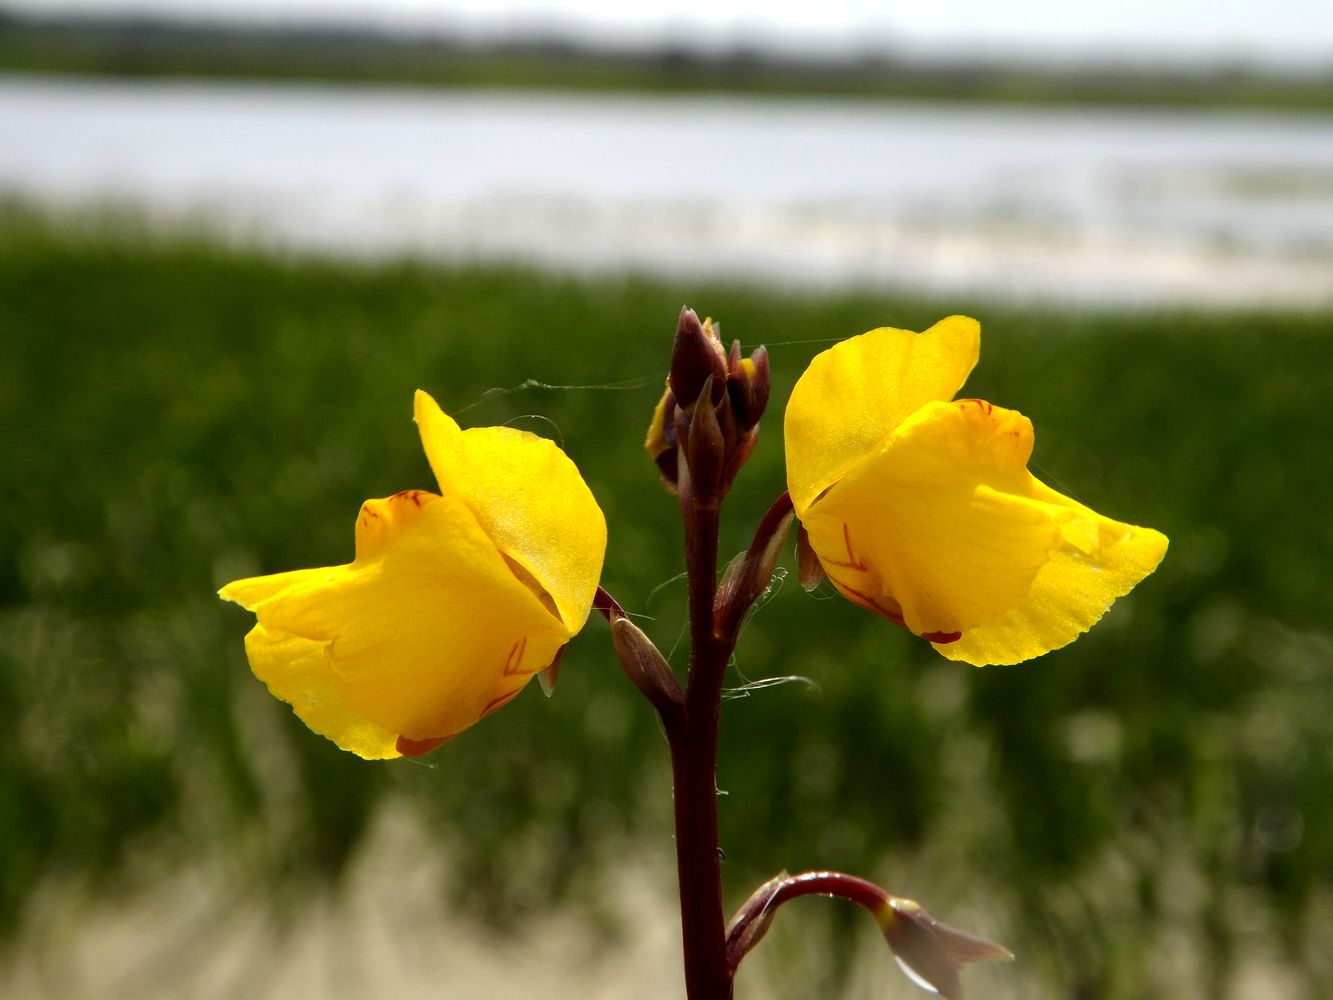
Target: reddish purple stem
(761, 905)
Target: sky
(1296, 32)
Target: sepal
(547, 676)
(809, 570)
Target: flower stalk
(708, 421)
(693, 740)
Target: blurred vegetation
(128, 46)
(174, 415)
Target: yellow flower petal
(656, 443)
(298, 671)
(940, 525)
(855, 394)
(1100, 560)
(528, 498)
(427, 631)
(248, 593)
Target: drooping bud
(931, 952)
(696, 355)
(809, 570)
(645, 665)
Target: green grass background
(174, 415)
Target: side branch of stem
(751, 921)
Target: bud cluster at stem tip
(706, 424)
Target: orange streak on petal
(499, 702)
(415, 748)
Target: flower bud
(645, 665)
(705, 447)
(663, 440)
(747, 576)
(746, 930)
(705, 377)
(696, 355)
(749, 385)
(740, 456)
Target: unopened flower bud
(747, 576)
(740, 454)
(705, 447)
(745, 929)
(662, 440)
(645, 665)
(749, 384)
(696, 355)
(704, 377)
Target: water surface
(1087, 204)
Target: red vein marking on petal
(853, 562)
(515, 658)
(413, 495)
(499, 702)
(981, 404)
(868, 602)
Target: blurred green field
(174, 415)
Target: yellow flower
(453, 602)
(920, 507)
